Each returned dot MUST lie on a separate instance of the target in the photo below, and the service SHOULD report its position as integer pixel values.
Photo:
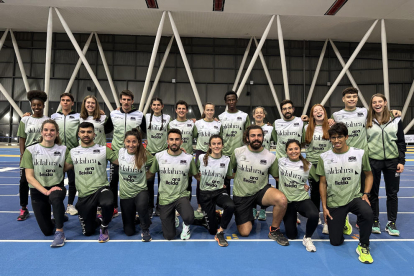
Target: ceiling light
(152, 4)
(218, 5)
(336, 6)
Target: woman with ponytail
(293, 173)
(157, 123)
(133, 191)
(213, 167)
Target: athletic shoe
(277, 236)
(24, 214)
(115, 213)
(262, 214)
(325, 229)
(176, 213)
(221, 240)
(376, 227)
(157, 212)
(59, 239)
(297, 220)
(185, 234)
(307, 242)
(347, 227)
(103, 235)
(150, 212)
(255, 214)
(199, 210)
(357, 226)
(392, 229)
(177, 222)
(71, 210)
(99, 212)
(146, 236)
(319, 221)
(364, 254)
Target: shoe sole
(359, 258)
(103, 241)
(262, 219)
(72, 213)
(391, 234)
(307, 248)
(59, 245)
(114, 216)
(24, 218)
(146, 241)
(271, 237)
(221, 245)
(185, 238)
(376, 232)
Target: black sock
(273, 228)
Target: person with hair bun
(29, 134)
(44, 165)
(213, 167)
(293, 172)
(133, 191)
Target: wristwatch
(368, 194)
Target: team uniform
(343, 179)
(203, 130)
(267, 136)
(29, 128)
(213, 193)
(156, 142)
(387, 148)
(292, 181)
(92, 185)
(314, 149)
(68, 133)
(122, 123)
(102, 126)
(233, 126)
(286, 130)
(47, 164)
(250, 183)
(174, 173)
(133, 191)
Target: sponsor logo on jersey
(96, 151)
(183, 162)
(133, 119)
(71, 117)
(222, 165)
(57, 153)
(189, 125)
(216, 127)
(263, 162)
(296, 124)
(352, 159)
(360, 114)
(301, 167)
(239, 119)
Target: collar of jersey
(255, 151)
(350, 110)
(89, 146)
(233, 112)
(174, 155)
(70, 113)
(343, 152)
(181, 121)
(132, 110)
(46, 147)
(294, 117)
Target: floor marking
(9, 169)
(6, 155)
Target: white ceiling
(300, 19)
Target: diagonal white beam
(349, 75)
(48, 59)
(255, 55)
(269, 80)
(348, 64)
(246, 53)
(185, 61)
(157, 78)
(11, 101)
(3, 38)
(152, 62)
(282, 57)
(385, 62)
(84, 60)
(107, 71)
(407, 101)
(20, 62)
(409, 126)
(315, 77)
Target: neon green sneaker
(347, 227)
(392, 229)
(364, 254)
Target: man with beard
(174, 167)
(287, 128)
(89, 163)
(254, 163)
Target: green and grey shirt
(157, 137)
(30, 128)
(286, 130)
(253, 170)
(203, 130)
(355, 121)
(174, 172)
(186, 128)
(90, 167)
(343, 175)
(213, 175)
(317, 146)
(99, 127)
(47, 163)
(233, 126)
(124, 122)
(387, 141)
(131, 179)
(68, 128)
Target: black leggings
(113, 183)
(198, 153)
(307, 209)
(129, 207)
(150, 185)
(208, 202)
(23, 188)
(167, 215)
(72, 187)
(41, 205)
(315, 195)
(88, 205)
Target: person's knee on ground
(245, 229)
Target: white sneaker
(199, 210)
(319, 221)
(185, 234)
(325, 229)
(307, 242)
(298, 221)
(71, 210)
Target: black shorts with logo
(245, 205)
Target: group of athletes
(345, 155)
